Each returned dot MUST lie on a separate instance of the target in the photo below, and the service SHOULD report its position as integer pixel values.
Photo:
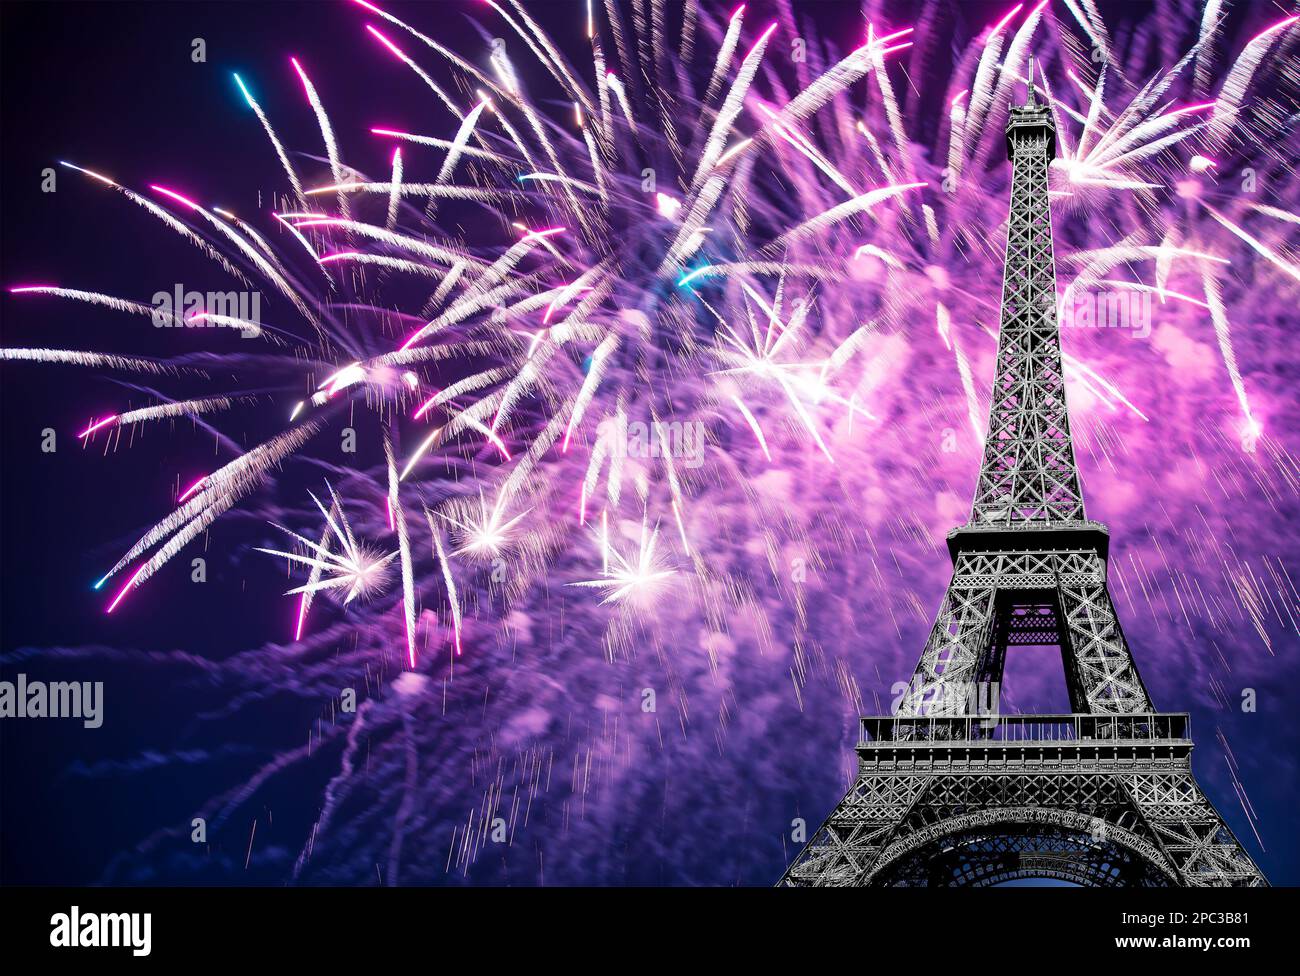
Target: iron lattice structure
(950, 795)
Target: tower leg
(953, 655)
(1203, 849)
(1098, 664)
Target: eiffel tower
(951, 794)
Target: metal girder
(1028, 472)
(956, 802)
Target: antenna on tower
(1030, 101)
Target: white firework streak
(546, 52)
(1258, 246)
(973, 413)
(394, 194)
(1223, 332)
(725, 50)
(185, 232)
(1211, 19)
(403, 547)
(78, 357)
(589, 384)
(1232, 93)
(313, 577)
(859, 204)
(439, 143)
(95, 298)
(1276, 213)
(446, 99)
(275, 140)
(447, 579)
(731, 107)
(326, 131)
(391, 238)
(384, 261)
(435, 191)
(249, 251)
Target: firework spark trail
(395, 191)
(401, 241)
(383, 260)
(76, 357)
(1232, 93)
(161, 411)
(204, 246)
(326, 131)
(313, 578)
(1223, 333)
(274, 139)
(447, 578)
(403, 548)
(248, 250)
(757, 289)
(1256, 245)
(93, 298)
(434, 191)
(222, 489)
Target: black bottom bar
(328, 925)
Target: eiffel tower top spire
(1028, 476)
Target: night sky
(205, 692)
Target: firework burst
(690, 217)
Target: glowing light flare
(386, 42)
(244, 90)
(489, 532)
(347, 376)
(96, 425)
(667, 205)
(417, 454)
(541, 234)
(726, 156)
(1190, 109)
(1003, 23)
(191, 489)
(186, 201)
(302, 617)
(1280, 25)
(753, 425)
(89, 172)
(126, 588)
(691, 276)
